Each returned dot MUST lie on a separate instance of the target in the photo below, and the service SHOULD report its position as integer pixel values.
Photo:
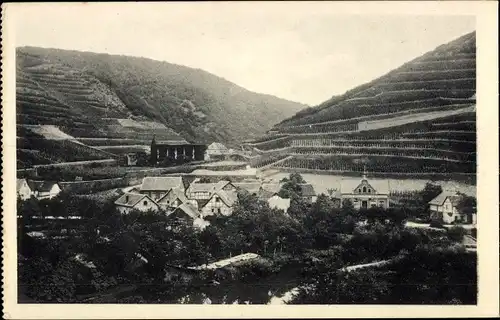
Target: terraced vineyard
(417, 119)
(35, 149)
(95, 97)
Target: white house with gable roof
(157, 187)
(365, 193)
(134, 201)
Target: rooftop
(161, 183)
(41, 186)
(441, 198)
(380, 186)
(187, 209)
(307, 189)
(130, 199)
(196, 186)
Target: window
(359, 190)
(369, 190)
(217, 199)
(364, 189)
(145, 202)
(218, 210)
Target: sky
(304, 53)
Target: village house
(185, 211)
(307, 192)
(44, 189)
(220, 203)
(173, 199)
(131, 159)
(204, 191)
(24, 191)
(157, 187)
(252, 186)
(134, 201)
(444, 209)
(216, 151)
(277, 202)
(263, 190)
(365, 194)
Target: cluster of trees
(131, 252)
(427, 275)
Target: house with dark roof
(44, 189)
(366, 193)
(204, 191)
(444, 208)
(174, 198)
(157, 187)
(220, 203)
(307, 192)
(185, 211)
(134, 201)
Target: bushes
(456, 233)
(424, 275)
(437, 224)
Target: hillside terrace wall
(455, 176)
(135, 178)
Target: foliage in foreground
(130, 253)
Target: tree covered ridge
(193, 102)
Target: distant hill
(417, 119)
(100, 96)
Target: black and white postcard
(250, 159)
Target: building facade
(133, 201)
(443, 208)
(24, 191)
(365, 194)
(220, 203)
(276, 202)
(175, 152)
(216, 151)
(173, 199)
(204, 191)
(44, 189)
(157, 187)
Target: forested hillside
(417, 119)
(89, 95)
